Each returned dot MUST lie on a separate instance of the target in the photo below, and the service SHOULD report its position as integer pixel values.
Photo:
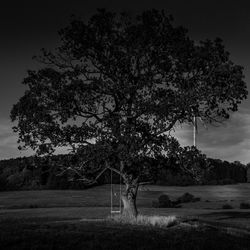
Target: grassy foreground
(75, 219)
(25, 234)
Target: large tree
(117, 86)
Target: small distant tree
(116, 87)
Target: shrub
(226, 181)
(35, 185)
(3, 183)
(244, 205)
(57, 182)
(187, 197)
(164, 201)
(15, 181)
(211, 182)
(227, 206)
(33, 206)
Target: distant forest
(28, 173)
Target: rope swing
(114, 194)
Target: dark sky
(27, 26)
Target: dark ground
(25, 234)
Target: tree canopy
(117, 86)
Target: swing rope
(114, 194)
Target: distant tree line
(45, 172)
(37, 173)
(216, 172)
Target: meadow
(77, 219)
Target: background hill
(43, 173)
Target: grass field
(100, 196)
(62, 219)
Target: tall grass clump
(227, 206)
(244, 205)
(144, 220)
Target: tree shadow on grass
(229, 215)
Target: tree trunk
(129, 198)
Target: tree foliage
(125, 81)
(117, 85)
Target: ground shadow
(229, 215)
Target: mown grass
(100, 197)
(48, 234)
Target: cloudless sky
(27, 26)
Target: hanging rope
(112, 193)
(120, 192)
